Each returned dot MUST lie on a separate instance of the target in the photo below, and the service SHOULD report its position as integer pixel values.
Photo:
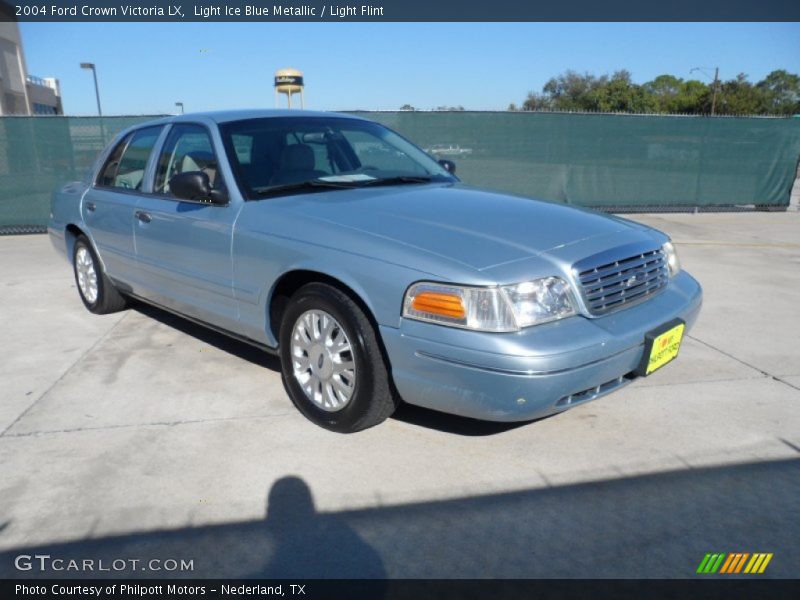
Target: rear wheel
(95, 288)
(331, 361)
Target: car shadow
(447, 423)
(405, 413)
(208, 336)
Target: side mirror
(195, 186)
(448, 165)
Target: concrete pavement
(142, 433)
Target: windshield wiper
(312, 184)
(400, 179)
(303, 185)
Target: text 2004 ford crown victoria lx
(370, 269)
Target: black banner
(542, 589)
(399, 10)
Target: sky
(145, 68)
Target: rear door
(109, 205)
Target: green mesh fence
(615, 161)
(611, 162)
(39, 154)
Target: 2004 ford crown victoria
(370, 269)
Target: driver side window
(188, 148)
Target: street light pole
(96, 87)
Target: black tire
(108, 299)
(372, 400)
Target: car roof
(226, 116)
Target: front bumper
(535, 372)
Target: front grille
(617, 284)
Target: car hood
(476, 228)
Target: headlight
(506, 308)
(672, 259)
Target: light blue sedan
(370, 269)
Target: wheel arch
(71, 234)
(291, 281)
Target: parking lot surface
(142, 435)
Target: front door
(183, 248)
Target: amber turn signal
(438, 303)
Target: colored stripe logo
(734, 562)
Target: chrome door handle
(90, 206)
(143, 216)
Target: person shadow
(310, 545)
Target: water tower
(289, 81)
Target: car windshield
(276, 155)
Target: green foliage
(777, 94)
(781, 92)
(670, 94)
(740, 97)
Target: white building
(21, 93)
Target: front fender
(378, 284)
(260, 261)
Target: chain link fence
(610, 162)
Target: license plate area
(661, 346)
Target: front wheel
(332, 363)
(96, 290)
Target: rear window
(125, 166)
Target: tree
(740, 97)
(670, 95)
(536, 101)
(777, 94)
(620, 94)
(781, 91)
(407, 107)
(573, 91)
(694, 98)
(665, 91)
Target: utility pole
(715, 84)
(714, 96)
